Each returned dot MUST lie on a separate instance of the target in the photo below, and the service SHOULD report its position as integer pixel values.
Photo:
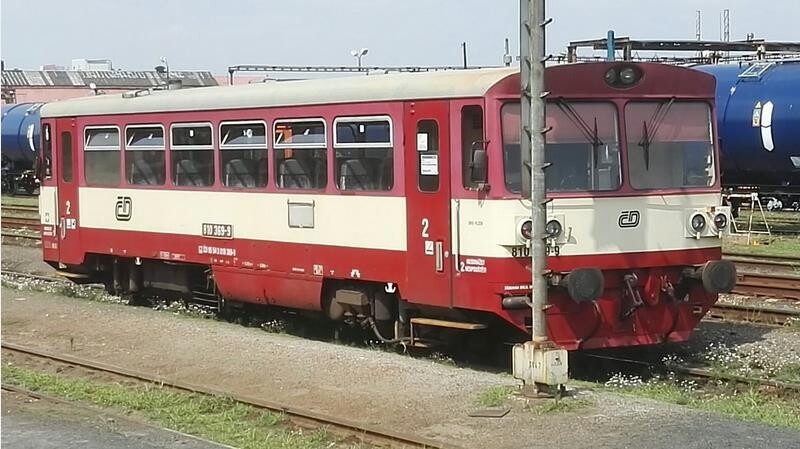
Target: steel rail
(768, 284)
(21, 236)
(731, 254)
(20, 208)
(366, 432)
(39, 277)
(753, 314)
(20, 221)
(768, 261)
(711, 375)
(755, 264)
(700, 373)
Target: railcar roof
(352, 89)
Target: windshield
(669, 144)
(582, 147)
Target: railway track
(306, 418)
(773, 316)
(768, 285)
(21, 223)
(700, 374)
(774, 277)
(748, 263)
(21, 208)
(720, 311)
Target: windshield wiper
(590, 133)
(650, 131)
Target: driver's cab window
(471, 139)
(47, 154)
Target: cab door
(47, 173)
(68, 227)
(427, 162)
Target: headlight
(526, 229)
(553, 229)
(720, 221)
(698, 222)
(627, 76)
(611, 76)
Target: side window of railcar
(101, 156)
(300, 154)
(471, 139)
(192, 155)
(145, 155)
(66, 156)
(428, 155)
(243, 154)
(364, 153)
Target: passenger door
(67, 147)
(427, 162)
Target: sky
(212, 35)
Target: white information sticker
(422, 141)
(429, 164)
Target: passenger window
(101, 156)
(192, 155)
(428, 155)
(471, 138)
(145, 155)
(364, 153)
(301, 160)
(66, 156)
(243, 151)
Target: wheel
(224, 311)
(8, 185)
(138, 299)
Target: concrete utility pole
(539, 363)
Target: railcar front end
(634, 221)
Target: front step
(205, 298)
(71, 275)
(449, 324)
(420, 343)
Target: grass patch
(218, 419)
(495, 396)
(563, 405)
(762, 246)
(789, 373)
(747, 405)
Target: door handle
(439, 252)
(63, 229)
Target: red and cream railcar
(393, 201)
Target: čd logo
(124, 208)
(628, 219)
